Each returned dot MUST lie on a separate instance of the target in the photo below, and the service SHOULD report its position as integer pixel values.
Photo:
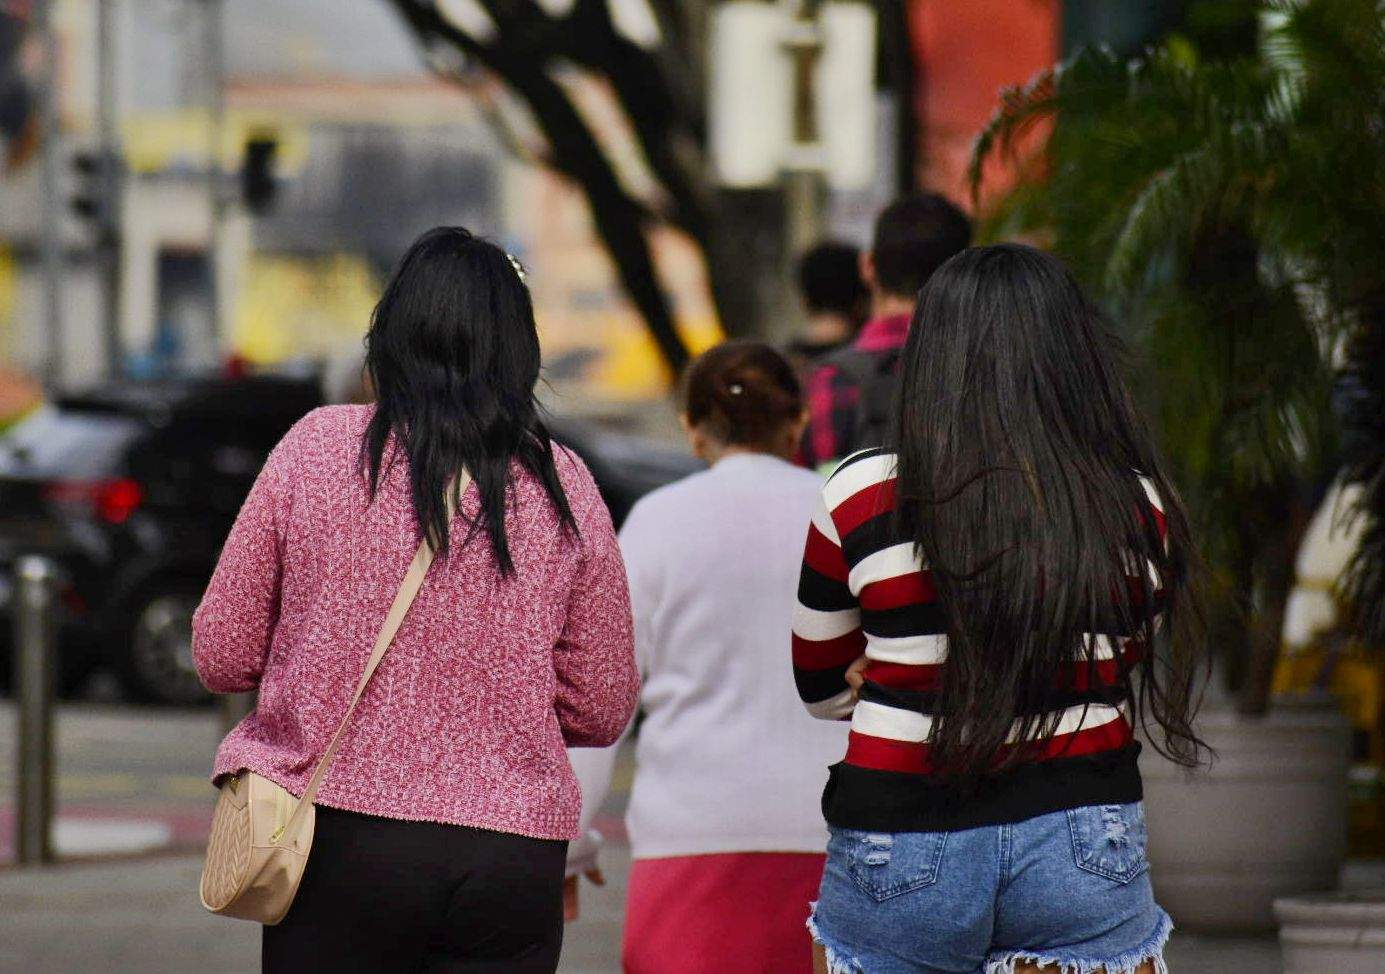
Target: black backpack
(876, 375)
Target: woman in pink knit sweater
(443, 822)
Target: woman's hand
(571, 908)
(856, 675)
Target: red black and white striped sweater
(864, 591)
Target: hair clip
(519, 268)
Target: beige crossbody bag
(261, 834)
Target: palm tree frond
(1199, 186)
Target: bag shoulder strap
(403, 599)
(856, 365)
(875, 375)
(876, 401)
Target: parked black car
(132, 489)
(625, 467)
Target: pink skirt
(732, 913)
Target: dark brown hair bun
(743, 393)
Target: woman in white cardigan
(724, 816)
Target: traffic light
(258, 182)
(93, 195)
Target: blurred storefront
(339, 138)
(367, 147)
(967, 53)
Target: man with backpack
(849, 394)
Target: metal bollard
(35, 643)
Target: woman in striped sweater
(990, 601)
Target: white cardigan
(726, 758)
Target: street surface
(129, 778)
(134, 779)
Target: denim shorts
(1068, 889)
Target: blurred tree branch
(660, 91)
(520, 51)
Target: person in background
(723, 819)
(443, 823)
(988, 598)
(850, 392)
(834, 297)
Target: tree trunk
(903, 78)
(1275, 570)
(744, 257)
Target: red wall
(967, 51)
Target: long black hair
(1020, 459)
(453, 353)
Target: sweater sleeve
(642, 548)
(598, 683)
(232, 628)
(827, 635)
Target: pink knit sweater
(466, 719)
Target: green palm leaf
(1231, 216)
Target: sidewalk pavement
(137, 776)
(129, 779)
(143, 915)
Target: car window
(206, 460)
(75, 445)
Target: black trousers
(385, 895)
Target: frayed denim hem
(1151, 951)
(838, 960)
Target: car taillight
(116, 500)
(113, 501)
